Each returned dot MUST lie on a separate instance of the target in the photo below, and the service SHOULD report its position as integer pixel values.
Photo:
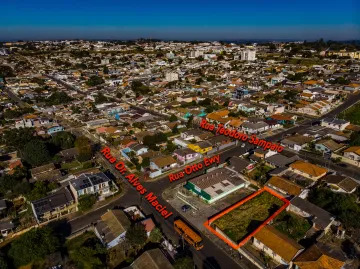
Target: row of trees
(84, 251)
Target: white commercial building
(248, 55)
(171, 77)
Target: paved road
(210, 257)
(352, 99)
(349, 170)
(15, 98)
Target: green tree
(6, 71)
(151, 141)
(58, 98)
(170, 147)
(89, 255)
(36, 153)
(136, 235)
(175, 130)
(17, 138)
(342, 205)
(3, 262)
(184, 263)
(119, 95)
(106, 70)
(86, 201)
(145, 162)
(94, 81)
(198, 81)
(173, 118)
(100, 98)
(39, 191)
(63, 140)
(83, 146)
(33, 246)
(155, 235)
(190, 121)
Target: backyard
(352, 114)
(292, 225)
(244, 219)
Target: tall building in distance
(195, 53)
(248, 55)
(171, 76)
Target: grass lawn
(69, 166)
(74, 244)
(352, 115)
(259, 173)
(247, 217)
(292, 225)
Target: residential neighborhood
(176, 154)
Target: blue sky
(196, 19)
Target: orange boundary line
(222, 213)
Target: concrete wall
(346, 160)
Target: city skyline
(39, 20)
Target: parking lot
(200, 211)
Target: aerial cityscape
(179, 141)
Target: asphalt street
(211, 256)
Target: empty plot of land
(244, 219)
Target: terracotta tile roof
(278, 242)
(310, 82)
(319, 256)
(355, 149)
(308, 168)
(163, 161)
(306, 94)
(286, 185)
(331, 144)
(281, 117)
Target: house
(284, 187)
(218, 117)
(308, 170)
(296, 142)
(340, 183)
(216, 184)
(6, 227)
(334, 123)
(328, 146)
(352, 153)
(112, 226)
(151, 259)
(163, 163)
(46, 172)
(54, 206)
(279, 160)
(247, 108)
(54, 129)
(149, 225)
(186, 155)
(275, 109)
(241, 93)
(277, 245)
(97, 183)
(283, 118)
(69, 154)
(239, 164)
(138, 149)
(201, 147)
(254, 127)
(321, 219)
(262, 154)
(191, 134)
(320, 256)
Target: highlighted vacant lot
(237, 224)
